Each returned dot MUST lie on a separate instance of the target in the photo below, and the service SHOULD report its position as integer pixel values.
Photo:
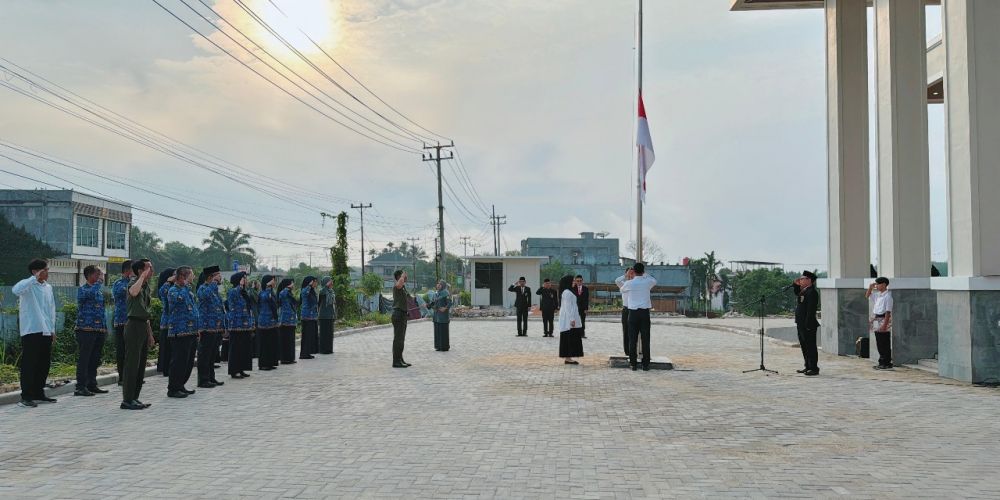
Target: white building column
(843, 303)
(968, 312)
(904, 242)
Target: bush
(465, 298)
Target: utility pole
(465, 246)
(436, 157)
(495, 222)
(361, 208)
(413, 248)
(437, 256)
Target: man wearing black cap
(807, 302)
(522, 302)
(548, 303)
(213, 324)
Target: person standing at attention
(400, 301)
(548, 302)
(807, 302)
(620, 281)
(522, 302)
(288, 319)
(36, 312)
(267, 325)
(212, 315)
(138, 335)
(119, 291)
(239, 318)
(327, 315)
(164, 283)
(570, 331)
(184, 324)
(91, 331)
(639, 304)
(878, 292)
(582, 302)
(441, 316)
(309, 313)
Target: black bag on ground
(861, 347)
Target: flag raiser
(644, 145)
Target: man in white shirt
(37, 319)
(880, 296)
(639, 303)
(620, 281)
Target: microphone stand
(762, 302)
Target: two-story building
(385, 265)
(587, 249)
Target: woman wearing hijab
(286, 300)
(441, 307)
(309, 314)
(267, 325)
(327, 315)
(570, 326)
(240, 320)
(253, 300)
(213, 325)
(164, 283)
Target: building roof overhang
(788, 4)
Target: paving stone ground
(501, 416)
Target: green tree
(299, 272)
(371, 284)
(750, 286)
(555, 270)
(144, 245)
(176, 254)
(18, 247)
(347, 307)
(228, 245)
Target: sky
(539, 98)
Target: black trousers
(224, 343)
(310, 338)
(136, 351)
(326, 336)
(240, 352)
(548, 321)
(181, 353)
(638, 327)
(163, 360)
(625, 330)
(522, 320)
(399, 321)
(119, 341)
(208, 347)
(287, 338)
(883, 340)
(441, 340)
(270, 347)
(36, 359)
(91, 345)
(807, 341)
(583, 323)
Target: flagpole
(638, 198)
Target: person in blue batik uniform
(183, 324)
(239, 317)
(164, 283)
(286, 299)
(267, 325)
(327, 315)
(119, 290)
(213, 325)
(91, 331)
(310, 315)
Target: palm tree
(229, 245)
(142, 244)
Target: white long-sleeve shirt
(568, 312)
(620, 281)
(36, 307)
(638, 289)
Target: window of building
(88, 232)
(116, 235)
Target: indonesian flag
(644, 145)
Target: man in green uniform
(138, 335)
(400, 301)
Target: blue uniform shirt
(90, 309)
(287, 308)
(162, 294)
(120, 292)
(266, 316)
(238, 311)
(213, 315)
(182, 319)
(310, 304)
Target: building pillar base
(969, 338)
(845, 314)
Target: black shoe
(307, 356)
(400, 365)
(811, 373)
(97, 390)
(568, 362)
(645, 368)
(292, 362)
(244, 374)
(176, 394)
(27, 403)
(216, 382)
(205, 385)
(45, 399)
(216, 366)
(405, 363)
(129, 405)
(236, 375)
(801, 371)
(140, 403)
(583, 337)
(82, 392)
(186, 391)
(635, 367)
(266, 368)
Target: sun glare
(317, 18)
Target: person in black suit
(522, 302)
(807, 302)
(548, 303)
(582, 302)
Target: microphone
(787, 287)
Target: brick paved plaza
(501, 416)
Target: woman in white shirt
(570, 326)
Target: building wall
(584, 250)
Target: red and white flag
(644, 146)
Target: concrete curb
(69, 387)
